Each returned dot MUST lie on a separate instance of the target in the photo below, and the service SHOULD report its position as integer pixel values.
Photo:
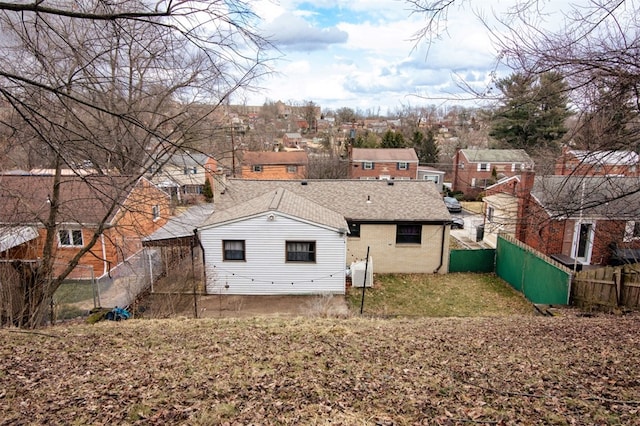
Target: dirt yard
(210, 306)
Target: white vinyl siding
(266, 270)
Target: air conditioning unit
(358, 273)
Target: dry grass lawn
(449, 295)
(299, 371)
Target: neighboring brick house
(476, 169)
(383, 163)
(85, 202)
(597, 163)
(577, 220)
(274, 165)
(292, 140)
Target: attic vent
(304, 182)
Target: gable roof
(380, 155)
(361, 200)
(86, 200)
(275, 158)
(598, 197)
(612, 158)
(282, 201)
(497, 155)
(186, 159)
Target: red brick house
(292, 140)
(577, 220)
(274, 165)
(597, 163)
(383, 163)
(476, 169)
(84, 203)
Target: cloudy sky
(362, 54)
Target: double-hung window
(233, 250)
(257, 168)
(70, 237)
(155, 211)
(292, 169)
(403, 165)
(367, 165)
(408, 234)
(483, 167)
(301, 251)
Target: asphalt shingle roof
(497, 156)
(283, 201)
(363, 200)
(183, 225)
(83, 200)
(615, 158)
(384, 154)
(275, 158)
(597, 197)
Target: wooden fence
(608, 287)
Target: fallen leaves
(514, 370)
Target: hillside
(513, 370)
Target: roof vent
(304, 182)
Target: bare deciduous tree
(113, 86)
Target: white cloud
(361, 53)
(290, 31)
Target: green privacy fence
(482, 260)
(538, 277)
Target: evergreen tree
(391, 139)
(532, 113)
(207, 191)
(426, 147)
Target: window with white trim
(632, 231)
(490, 212)
(155, 211)
(403, 165)
(292, 169)
(233, 250)
(70, 238)
(367, 165)
(301, 251)
(484, 167)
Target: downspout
(105, 262)
(441, 249)
(204, 266)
